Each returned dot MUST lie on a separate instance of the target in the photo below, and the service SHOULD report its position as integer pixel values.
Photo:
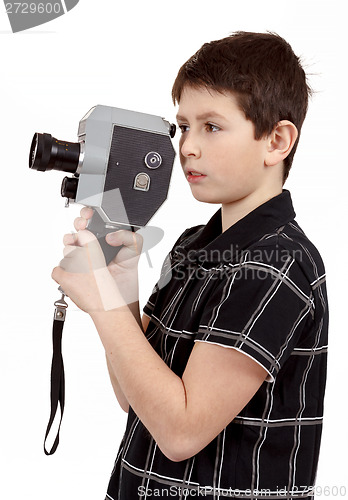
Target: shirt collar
(209, 244)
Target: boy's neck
(236, 210)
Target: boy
(225, 389)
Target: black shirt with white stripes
(259, 287)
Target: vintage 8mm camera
(121, 166)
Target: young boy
(225, 389)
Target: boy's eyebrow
(203, 116)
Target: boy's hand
(126, 261)
(83, 274)
(86, 274)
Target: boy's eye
(183, 128)
(210, 127)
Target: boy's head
(263, 74)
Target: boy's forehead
(203, 102)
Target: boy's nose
(189, 147)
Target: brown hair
(263, 73)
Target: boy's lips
(194, 176)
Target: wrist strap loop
(57, 371)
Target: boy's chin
(206, 199)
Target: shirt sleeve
(260, 308)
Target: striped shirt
(259, 287)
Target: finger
(129, 239)
(69, 239)
(84, 237)
(86, 254)
(81, 238)
(80, 223)
(87, 212)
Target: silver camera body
(127, 151)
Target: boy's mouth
(194, 176)
(194, 172)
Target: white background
(127, 54)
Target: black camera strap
(57, 370)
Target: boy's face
(218, 143)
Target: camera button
(153, 160)
(141, 182)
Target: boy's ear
(280, 142)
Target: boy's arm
(122, 400)
(114, 382)
(182, 414)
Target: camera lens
(49, 153)
(69, 187)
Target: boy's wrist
(128, 284)
(110, 315)
(109, 296)
(114, 326)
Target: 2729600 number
(33, 8)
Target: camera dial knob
(153, 160)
